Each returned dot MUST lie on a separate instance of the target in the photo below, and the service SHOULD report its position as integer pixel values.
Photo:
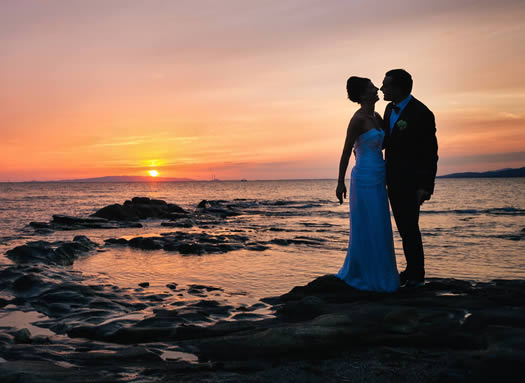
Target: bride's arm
(355, 128)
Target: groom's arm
(426, 164)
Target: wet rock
(179, 223)
(138, 208)
(171, 286)
(174, 208)
(297, 241)
(22, 336)
(116, 241)
(144, 284)
(65, 222)
(203, 287)
(190, 248)
(144, 243)
(244, 316)
(6, 338)
(70, 220)
(257, 247)
(128, 354)
(43, 372)
(27, 282)
(60, 253)
(117, 212)
(203, 204)
(40, 225)
(216, 208)
(210, 307)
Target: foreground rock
(475, 324)
(448, 330)
(57, 253)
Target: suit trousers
(405, 207)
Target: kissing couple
(407, 132)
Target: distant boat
(214, 179)
(243, 180)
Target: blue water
(472, 229)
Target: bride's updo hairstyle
(355, 86)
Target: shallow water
(472, 229)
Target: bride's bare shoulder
(357, 124)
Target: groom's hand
(422, 196)
(340, 192)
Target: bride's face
(370, 93)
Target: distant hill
(127, 179)
(503, 173)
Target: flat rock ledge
(448, 330)
(478, 326)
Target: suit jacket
(411, 148)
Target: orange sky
(241, 89)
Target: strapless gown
(370, 262)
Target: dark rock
(40, 225)
(179, 223)
(116, 241)
(174, 208)
(216, 208)
(32, 252)
(144, 284)
(61, 253)
(326, 284)
(257, 248)
(247, 316)
(22, 336)
(6, 338)
(190, 248)
(27, 282)
(203, 204)
(144, 243)
(171, 286)
(117, 212)
(204, 287)
(307, 308)
(69, 220)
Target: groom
(411, 165)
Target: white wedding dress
(370, 262)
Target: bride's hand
(340, 192)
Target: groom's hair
(355, 86)
(401, 79)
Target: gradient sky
(247, 89)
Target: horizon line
(184, 179)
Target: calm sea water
(472, 229)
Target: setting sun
(153, 173)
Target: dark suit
(411, 164)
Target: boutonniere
(401, 124)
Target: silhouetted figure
(411, 164)
(370, 262)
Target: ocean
(472, 229)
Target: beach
(233, 281)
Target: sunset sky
(247, 89)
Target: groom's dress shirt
(395, 115)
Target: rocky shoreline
(77, 328)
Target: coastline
(60, 324)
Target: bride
(370, 262)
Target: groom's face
(387, 89)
